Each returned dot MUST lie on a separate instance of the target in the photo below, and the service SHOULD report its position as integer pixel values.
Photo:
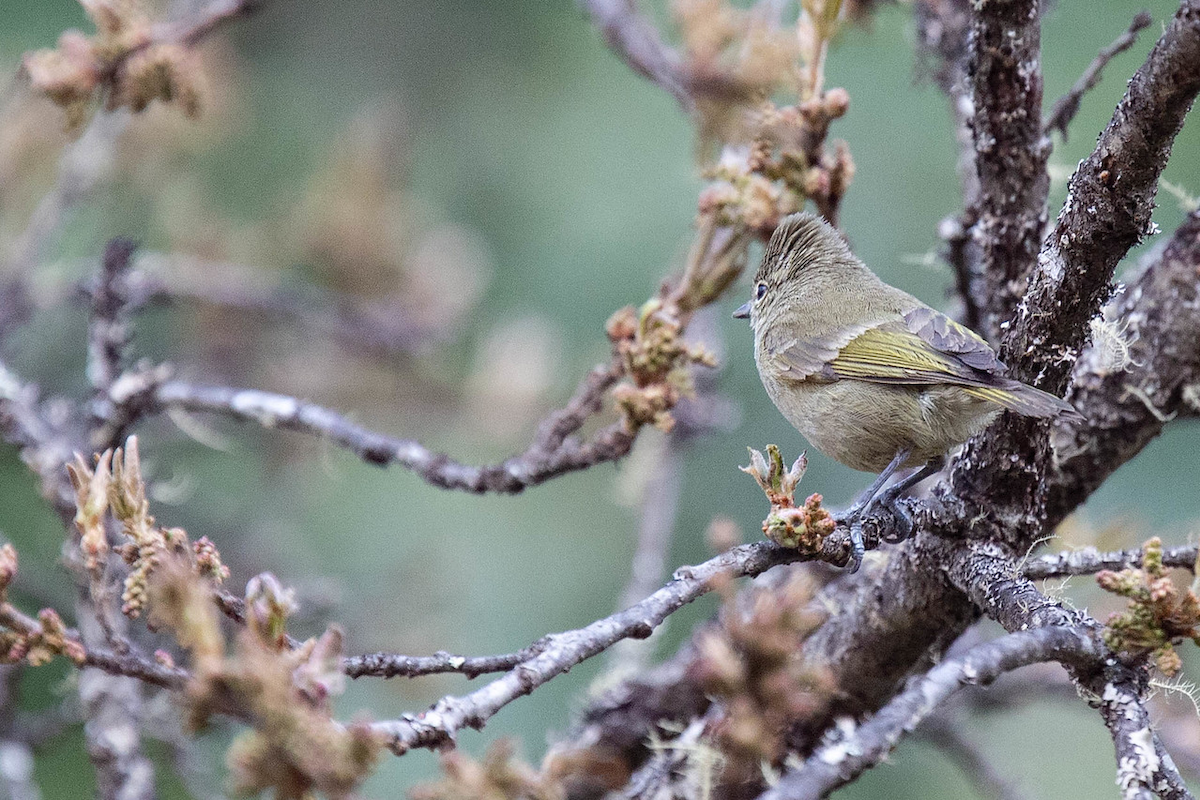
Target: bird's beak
(743, 311)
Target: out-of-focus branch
(636, 41)
(1089, 561)
(199, 26)
(43, 447)
(85, 164)
(108, 341)
(948, 736)
(1065, 107)
(553, 452)
(839, 763)
(379, 330)
(562, 651)
(943, 28)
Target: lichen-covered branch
(1141, 370)
(1089, 561)
(440, 724)
(1010, 149)
(838, 763)
(1109, 201)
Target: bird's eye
(760, 291)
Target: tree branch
(636, 42)
(394, 665)
(1142, 369)
(987, 575)
(839, 763)
(948, 737)
(1065, 107)
(1010, 149)
(440, 724)
(553, 452)
(1107, 211)
(1089, 561)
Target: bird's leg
(854, 514)
(888, 498)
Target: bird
(867, 373)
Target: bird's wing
(802, 358)
(922, 348)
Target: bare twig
(1089, 561)
(948, 736)
(379, 330)
(1065, 107)
(839, 763)
(552, 453)
(394, 665)
(132, 665)
(441, 723)
(634, 38)
(636, 41)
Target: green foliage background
(580, 179)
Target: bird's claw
(858, 547)
(904, 526)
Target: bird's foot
(904, 526)
(858, 547)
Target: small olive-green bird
(869, 374)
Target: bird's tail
(1025, 400)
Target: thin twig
(554, 451)
(131, 665)
(380, 330)
(636, 41)
(394, 665)
(1089, 560)
(947, 735)
(1065, 107)
(441, 723)
(108, 343)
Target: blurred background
(492, 181)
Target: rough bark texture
(1010, 149)
(1143, 371)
